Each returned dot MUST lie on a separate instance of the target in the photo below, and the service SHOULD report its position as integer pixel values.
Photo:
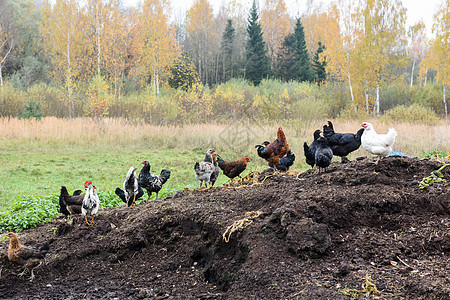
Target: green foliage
(26, 62)
(433, 153)
(429, 96)
(394, 95)
(435, 177)
(319, 64)
(28, 211)
(109, 199)
(228, 51)
(413, 114)
(31, 110)
(295, 61)
(257, 65)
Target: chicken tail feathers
(62, 204)
(164, 176)
(391, 135)
(119, 192)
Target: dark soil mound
(358, 228)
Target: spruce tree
(319, 66)
(257, 65)
(296, 63)
(227, 50)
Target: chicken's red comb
(88, 182)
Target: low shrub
(411, 114)
(28, 211)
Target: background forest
(98, 58)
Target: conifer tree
(257, 66)
(296, 64)
(319, 64)
(227, 50)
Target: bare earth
(315, 236)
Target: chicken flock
(278, 155)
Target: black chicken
(131, 189)
(310, 151)
(71, 204)
(152, 183)
(286, 162)
(324, 154)
(342, 144)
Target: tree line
(106, 51)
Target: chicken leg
(87, 222)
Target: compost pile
(356, 230)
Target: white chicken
(378, 144)
(90, 204)
(205, 168)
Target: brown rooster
(233, 168)
(273, 152)
(27, 256)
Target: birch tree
(201, 34)
(59, 30)
(417, 45)
(438, 56)
(384, 39)
(344, 38)
(155, 42)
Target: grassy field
(37, 157)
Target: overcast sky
(416, 9)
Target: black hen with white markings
(131, 189)
(150, 182)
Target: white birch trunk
(367, 101)
(377, 100)
(157, 81)
(426, 77)
(445, 103)
(351, 94)
(412, 73)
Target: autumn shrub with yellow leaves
(272, 101)
(414, 113)
(99, 98)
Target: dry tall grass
(241, 137)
